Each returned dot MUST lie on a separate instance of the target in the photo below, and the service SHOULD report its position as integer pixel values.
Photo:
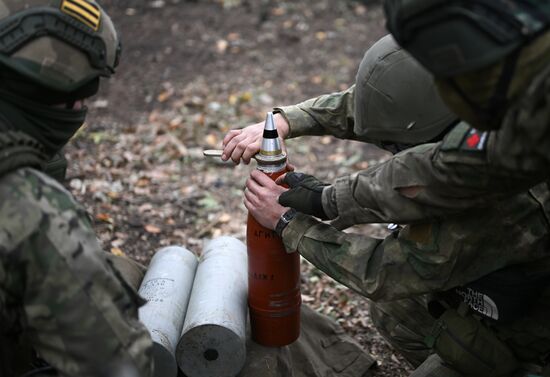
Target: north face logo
(479, 302)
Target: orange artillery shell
(273, 286)
(273, 274)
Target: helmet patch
(84, 11)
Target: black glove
(305, 194)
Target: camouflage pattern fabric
(435, 367)
(330, 114)
(450, 176)
(404, 324)
(433, 256)
(57, 289)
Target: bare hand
(246, 142)
(261, 198)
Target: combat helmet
(450, 37)
(396, 101)
(60, 45)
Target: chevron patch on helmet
(83, 11)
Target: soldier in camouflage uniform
(513, 137)
(483, 271)
(61, 300)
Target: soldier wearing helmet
(444, 289)
(61, 300)
(490, 61)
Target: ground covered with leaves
(192, 70)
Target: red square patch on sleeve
(475, 140)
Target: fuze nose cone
(271, 156)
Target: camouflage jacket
(58, 292)
(467, 169)
(373, 195)
(329, 114)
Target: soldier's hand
(305, 194)
(246, 142)
(260, 198)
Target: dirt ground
(192, 70)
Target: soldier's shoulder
(31, 185)
(535, 99)
(29, 198)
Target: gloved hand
(304, 195)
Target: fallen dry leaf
(104, 217)
(321, 36)
(233, 36)
(221, 46)
(317, 80)
(224, 218)
(152, 229)
(113, 195)
(278, 11)
(117, 251)
(211, 140)
(165, 95)
(143, 182)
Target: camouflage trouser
(404, 324)
(76, 311)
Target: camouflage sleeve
(375, 195)
(469, 168)
(427, 257)
(330, 114)
(80, 313)
(522, 144)
(426, 182)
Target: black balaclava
(27, 107)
